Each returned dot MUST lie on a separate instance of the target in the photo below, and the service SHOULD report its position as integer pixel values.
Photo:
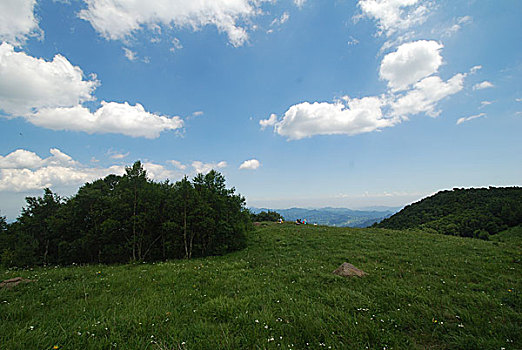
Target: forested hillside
(462, 212)
(128, 218)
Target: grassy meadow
(422, 291)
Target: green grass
(423, 291)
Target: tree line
(266, 216)
(475, 212)
(125, 218)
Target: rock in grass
(348, 270)
(10, 283)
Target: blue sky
(298, 103)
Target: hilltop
(422, 291)
(474, 212)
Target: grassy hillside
(422, 291)
(474, 212)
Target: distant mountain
(340, 217)
(474, 212)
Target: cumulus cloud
(268, 122)
(466, 119)
(17, 21)
(251, 164)
(484, 85)
(204, 168)
(111, 117)
(28, 83)
(394, 15)
(425, 95)
(177, 164)
(354, 117)
(117, 20)
(20, 159)
(410, 63)
(159, 172)
(50, 94)
(23, 170)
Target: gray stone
(348, 270)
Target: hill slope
(462, 212)
(422, 291)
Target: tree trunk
(185, 231)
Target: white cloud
(299, 3)
(204, 168)
(355, 117)
(28, 83)
(50, 95)
(268, 122)
(282, 20)
(17, 21)
(425, 95)
(410, 63)
(176, 45)
(466, 119)
(518, 99)
(484, 85)
(251, 164)
(486, 103)
(111, 117)
(414, 88)
(177, 164)
(459, 22)
(352, 41)
(117, 20)
(158, 172)
(116, 155)
(131, 55)
(475, 69)
(23, 170)
(394, 15)
(20, 159)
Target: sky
(299, 103)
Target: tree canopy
(126, 218)
(267, 216)
(475, 212)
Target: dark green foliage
(267, 216)
(128, 218)
(476, 213)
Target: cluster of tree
(462, 212)
(128, 218)
(266, 216)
